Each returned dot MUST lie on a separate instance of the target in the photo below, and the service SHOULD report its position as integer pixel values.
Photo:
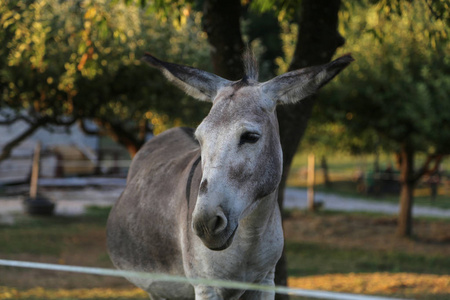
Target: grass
(345, 162)
(329, 242)
(306, 259)
(50, 235)
(61, 240)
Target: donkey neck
(260, 216)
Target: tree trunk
(317, 42)
(221, 21)
(404, 228)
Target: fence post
(311, 181)
(35, 171)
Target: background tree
(63, 62)
(400, 88)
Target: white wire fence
(195, 281)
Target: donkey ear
(199, 84)
(296, 85)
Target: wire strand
(194, 281)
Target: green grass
(341, 161)
(305, 259)
(48, 235)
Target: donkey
(203, 203)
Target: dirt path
(296, 198)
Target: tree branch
(8, 121)
(87, 130)
(34, 125)
(437, 163)
(61, 122)
(7, 149)
(125, 137)
(425, 169)
(433, 12)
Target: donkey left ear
(199, 84)
(297, 85)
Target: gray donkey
(203, 203)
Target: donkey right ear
(199, 84)
(293, 86)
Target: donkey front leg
(211, 293)
(206, 293)
(258, 295)
(268, 281)
(153, 297)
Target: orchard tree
(63, 62)
(399, 89)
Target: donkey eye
(249, 138)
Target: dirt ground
(370, 233)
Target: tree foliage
(66, 61)
(398, 91)
(400, 85)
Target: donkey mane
(250, 65)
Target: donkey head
(240, 147)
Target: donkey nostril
(218, 224)
(204, 187)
